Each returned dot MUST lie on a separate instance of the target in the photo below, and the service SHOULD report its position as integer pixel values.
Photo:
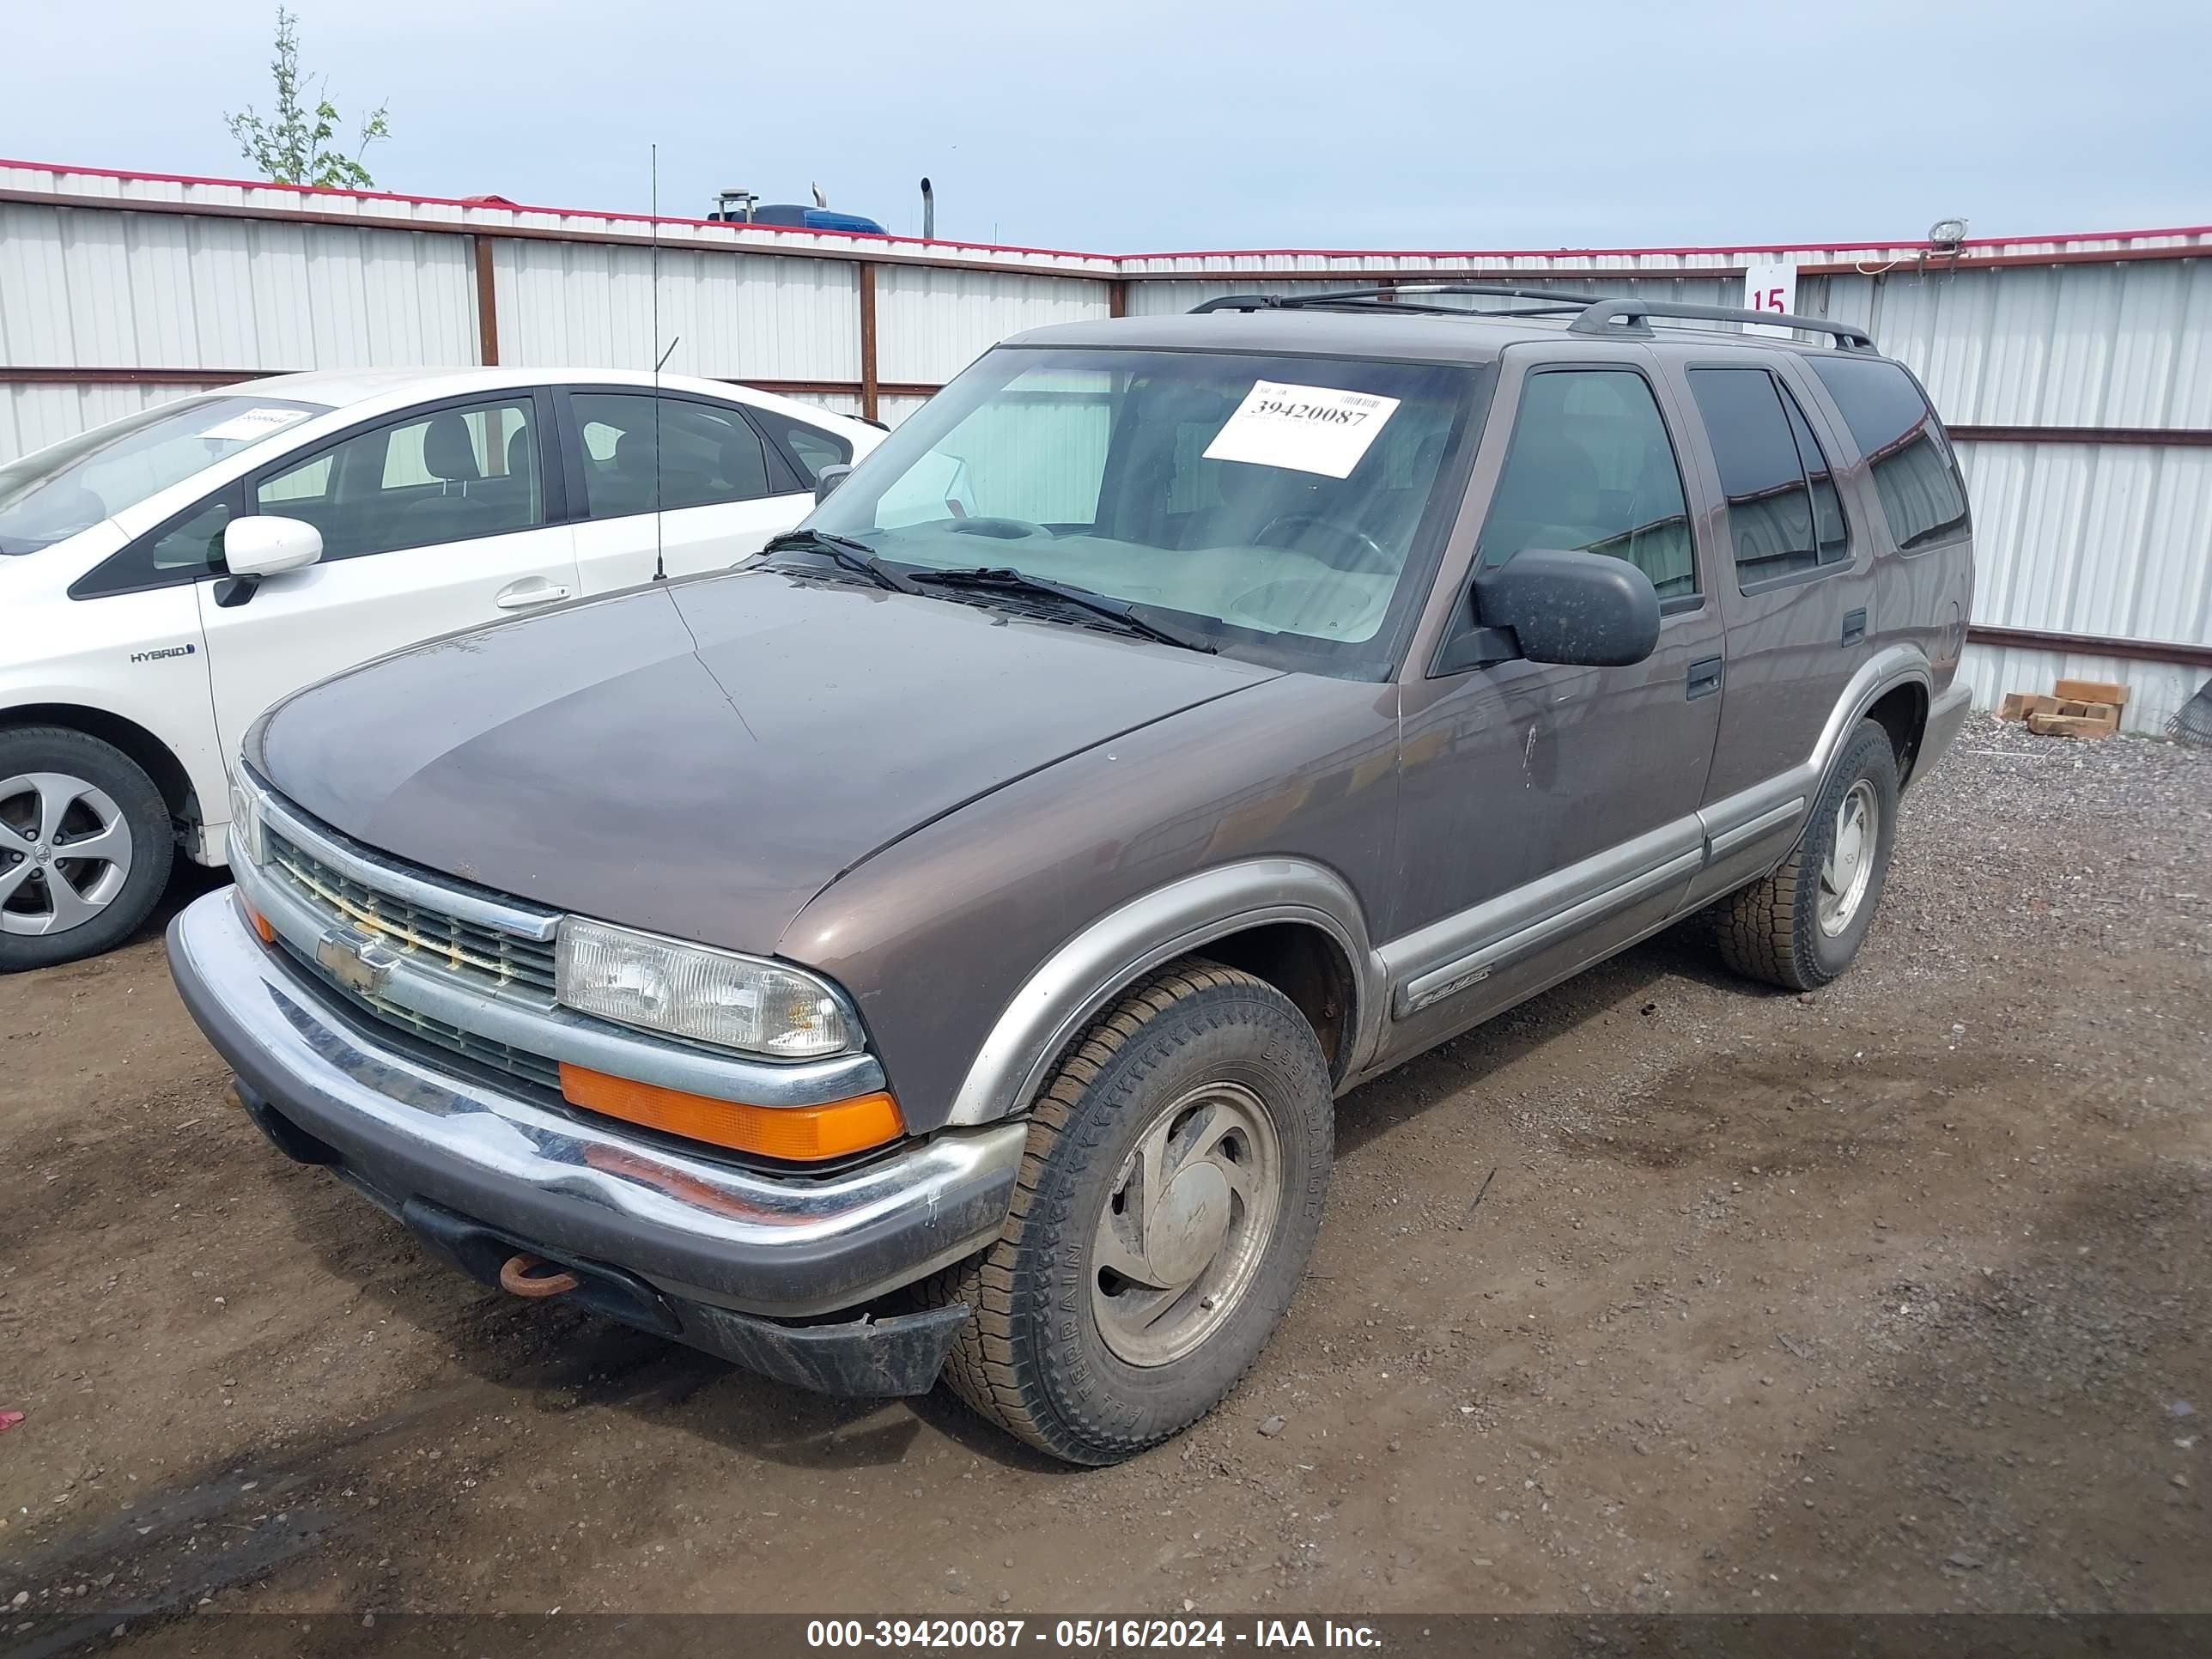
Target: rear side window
(1784, 517)
(1915, 473)
(1591, 469)
(705, 455)
(809, 445)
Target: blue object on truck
(799, 217)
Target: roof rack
(1592, 314)
(1632, 317)
(1395, 298)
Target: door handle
(1705, 678)
(531, 589)
(1854, 626)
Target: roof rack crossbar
(1415, 308)
(1496, 292)
(1630, 316)
(1388, 295)
(1354, 302)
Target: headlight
(246, 822)
(691, 991)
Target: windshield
(55, 492)
(1282, 508)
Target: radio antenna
(659, 562)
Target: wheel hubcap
(1848, 867)
(64, 853)
(1186, 1224)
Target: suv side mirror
(1584, 609)
(267, 546)
(830, 477)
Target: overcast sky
(1142, 126)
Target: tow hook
(520, 1275)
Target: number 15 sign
(1770, 288)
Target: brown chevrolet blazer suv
(931, 948)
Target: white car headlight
(246, 822)
(694, 991)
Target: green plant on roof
(292, 145)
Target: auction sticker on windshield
(1311, 429)
(251, 424)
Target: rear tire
(61, 789)
(1170, 1194)
(1803, 926)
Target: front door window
(450, 475)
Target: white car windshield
(53, 492)
(1283, 508)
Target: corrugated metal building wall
(2076, 372)
(2082, 398)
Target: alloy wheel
(65, 853)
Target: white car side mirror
(266, 546)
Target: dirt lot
(1891, 1298)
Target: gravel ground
(1892, 1298)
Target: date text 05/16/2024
(1088, 1633)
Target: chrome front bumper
(406, 1130)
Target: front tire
(85, 847)
(1170, 1194)
(1803, 926)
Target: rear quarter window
(1915, 473)
(808, 446)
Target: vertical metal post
(868, 393)
(487, 306)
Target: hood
(24, 577)
(47, 572)
(700, 759)
(54, 648)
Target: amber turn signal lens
(259, 922)
(802, 1135)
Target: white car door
(433, 520)
(722, 492)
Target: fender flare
(1899, 664)
(1076, 982)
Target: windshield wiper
(1005, 579)
(843, 551)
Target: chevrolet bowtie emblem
(358, 964)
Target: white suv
(166, 577)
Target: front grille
(483, 955)
(499, 1056)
